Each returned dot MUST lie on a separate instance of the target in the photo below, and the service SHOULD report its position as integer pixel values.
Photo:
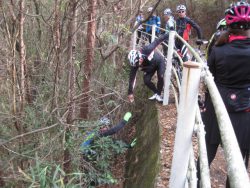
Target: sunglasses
(182, 11)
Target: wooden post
(153, 32)
(167, 75)
(185, 124)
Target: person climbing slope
(103, 131)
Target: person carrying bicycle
(153, 20)
(169, 26)
(149, 61)
(230, 66)
(183, 27)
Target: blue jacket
(153, 20)
(90, 136)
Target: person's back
(232, 66)
(229, 63)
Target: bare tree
(91, 38)
(22, 54)
(71, 81)
(57, 45)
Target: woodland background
(62, 66)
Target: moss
(142, 160)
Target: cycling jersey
(181, 26)
(152, 61)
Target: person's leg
(160, 75)
(184, 52)
(138, 36)
(147, 81)
(149, 37)
(165, 49)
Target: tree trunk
(22, 55)
(71, 83)
(89, 58)
(57, 43)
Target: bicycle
(201, 53)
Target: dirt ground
(167, 117)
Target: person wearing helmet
(148, 61)
(230, 66)
(102, 131)
(153, 20)
(169, 26)
(140, 29)
(220, 28)
(183, 27)
(90, 147)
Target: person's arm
(118, 127)
(195, 26)
(132, 79)
(211, 62)
(147, 50)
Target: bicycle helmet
(150, 9)
(180, 7)
(238, 13)
(134, 57)
(104, 121)
(167, 11)
(221, 25)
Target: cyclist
(89, 148)
(153, 20)
(149, 61)
(183, 27)
(230, 66)
(221, 26)
(140, 29)
(104, 130)
(169, 25)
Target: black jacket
(230, 64)
(151, 60)
(181, 24)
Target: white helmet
(104, 121)
(181, 7)
(134, 57)
(167, 11)
(150, 9)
